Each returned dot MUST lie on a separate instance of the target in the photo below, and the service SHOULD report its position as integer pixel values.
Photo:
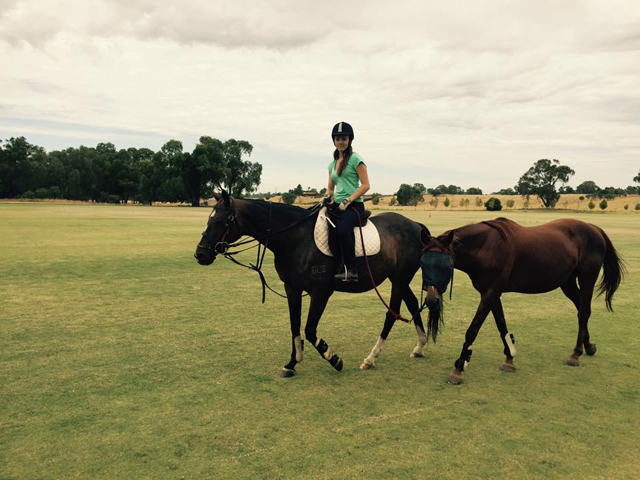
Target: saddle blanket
(369, 233)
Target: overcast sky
(469, 93)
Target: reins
(262, 250)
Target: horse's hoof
(572, 362)
(338, 366)
(367, 366)
(454, 380)
(417, 355)
(507, 367)
(590, 349)
(287, 373)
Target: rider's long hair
(347, 155)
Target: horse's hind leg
(319, 299)
(389, 321)
(582, 299)
(412, 304)
(507, 338)
(294, 298)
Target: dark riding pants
(349, 220)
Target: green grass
(121, 357)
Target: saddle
(326, 238)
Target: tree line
(540, 180)
(105, 174)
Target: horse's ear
(217, 196)
(449, 238)
(425, 235)
(225, 197)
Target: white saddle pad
(369, 232)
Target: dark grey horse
(288, 232)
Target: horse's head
(222, 229)
(437, 270)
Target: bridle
(222, 246)
(441, 249)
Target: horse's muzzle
(433, 296)
(203, 257)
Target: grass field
(121, 357)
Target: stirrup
(342, 274)
(352, 275)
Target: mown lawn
(121, 357)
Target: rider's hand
(326, 200)
(345, 204)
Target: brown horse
(501, 256)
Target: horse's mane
(504, 226)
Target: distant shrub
(493, 204)
(392, 202)
(626, 207)
(637, 206)
(29, 195)
(375, 199)
(409, 195)
(511, 203)
(591, 205)
(43, 193)
(478, 202)
(446, 202)
(581, 197)
(289, 198)
(604, 204)
(434, 202)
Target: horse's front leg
(486, 303)
(319, 299)
(412, 304)
(394, 304)
(294, 297)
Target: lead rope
(397, 316)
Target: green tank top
(347, 183)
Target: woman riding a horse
(348, 181)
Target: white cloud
(468, 93)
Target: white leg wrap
(512, 348)
(298, 344)
(466, 363)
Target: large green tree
(200, 170)
(21, 167)
(240, 176)
(409, 195)
(588, 187)
(541, 180)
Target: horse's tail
(614, 270)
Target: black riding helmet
(342, 128)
